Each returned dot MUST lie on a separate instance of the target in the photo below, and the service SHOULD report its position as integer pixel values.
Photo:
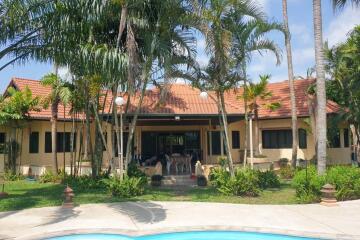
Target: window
(48, 142)
(2, 142)
(34, 142)
(235, 137)
(215, 142)
(276, 139)
(333, 138)
(302, 139)
(346, 138)
(63, 142)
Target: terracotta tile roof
(42, 91)
(182, 99)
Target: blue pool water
(206, 235)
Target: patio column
(210, 140)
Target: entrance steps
(178, 180)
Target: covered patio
(181, 139)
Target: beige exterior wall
(44, 160)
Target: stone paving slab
(138, 218)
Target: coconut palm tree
(256, 92)
(59, 93)
(294, 127)
(339, 4)
(249, 38)
(320, 88)
(216, 23)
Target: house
(181, 122)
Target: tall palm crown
(218, 27)
(339, 4)
(250, 37)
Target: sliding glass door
(159, 143)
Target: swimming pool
(204, 235)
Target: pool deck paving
(139, 218)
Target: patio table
(183, 160)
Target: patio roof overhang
(179, 119)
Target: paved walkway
(342, 222)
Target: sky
(335, 28)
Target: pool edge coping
(137, 233)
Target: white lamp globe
(204, 95)
(119, 101)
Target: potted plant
(201, 181)
(156, 180)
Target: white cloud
(340, 26)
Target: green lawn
(23, 194)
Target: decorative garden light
(120, 101)
(204, 95)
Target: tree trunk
(72, 145)
(63, 143)
(54, 117)
(101, 132)
(320, 88)
(133, 126)
(118, 138)
(88, 144)
(246, 114)
(227, 142)
(294, 127)
(256, 120)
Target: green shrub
(134, 171)
(9, 176)
(346, 181)
(223, 161)
(156, 180)
(244, 183)
(268, 179)
(201, 181)
(308, 184)
(218, 177)
(49, 176)
(126, 188)
(85, 182)
(287, 172)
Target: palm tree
(339, 4)
(59, 93)
(320, 88)
(291, 86)
(217, 23)
(249, 38)
(256, 92)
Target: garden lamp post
(250, 118)
(119, 101)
